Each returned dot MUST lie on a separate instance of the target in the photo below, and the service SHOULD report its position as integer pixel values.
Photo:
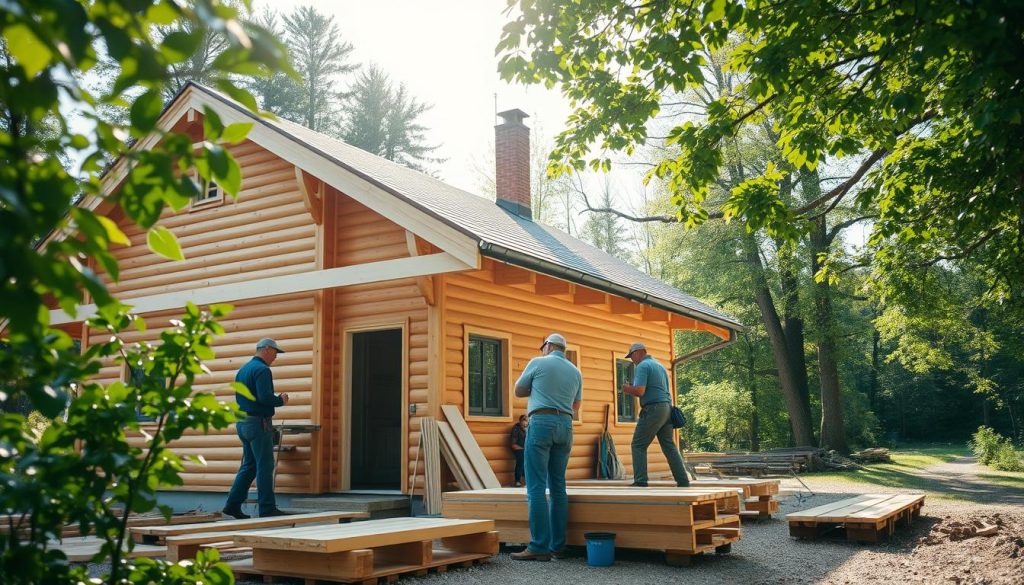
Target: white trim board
(285, 284)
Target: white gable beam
(282, 285)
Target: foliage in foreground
(74, 461)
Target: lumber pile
(683, 522)
(364, 552)
(183, 541)
(875, 455)
(786, 461)
(462, 453)
(151, 519)
(759, 495)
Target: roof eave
(504, 254)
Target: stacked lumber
(786, 461)
(432, 460)
(462, 453)
(683, 522)
(865, 518)
(183, 541)
(875, 455)
(366, 551)
(759, 496)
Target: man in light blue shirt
(650, 384)
(555, 388)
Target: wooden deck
(81, 549)
(865, 518)
(683, 522)
(366, 551)
(759, 495)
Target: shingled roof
(500, 234)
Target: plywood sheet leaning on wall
(470, 446)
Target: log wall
(474, 300)
(266, 232)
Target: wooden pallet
(759, 495)
(183, 541)
(683, 521)
(133, 521)
(367, 551)
(865, 518)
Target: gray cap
(268, 342)
(554, 339)
(635, 347)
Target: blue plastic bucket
(600, 548)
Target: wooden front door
(377, 410)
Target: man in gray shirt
(555, 388)
(650, 384)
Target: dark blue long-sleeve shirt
(256, 376)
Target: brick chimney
(512, 161)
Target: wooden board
(81, 549)
(458, 461)
(432, 462)
(750, 486)
(441, 560)
(361, 535)
(470, 446)
(162, 532)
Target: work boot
(529, 555)
(275, 512)
(638, 484)
(235, 513)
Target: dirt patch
(963, 548)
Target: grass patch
(904, 471)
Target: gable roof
(499, 234)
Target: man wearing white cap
(555, 388)
(650, 384)
(256, 433)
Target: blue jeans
(517, 475)
(547, 454)
(257, 463)
(655, 421)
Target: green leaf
(114, 233)
(238, 94)
(162, 242)
(180, 45)
(242, 389)
(29, 52)
(145, 112)
(237, 132)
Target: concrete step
(379, 506)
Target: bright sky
(443, 50)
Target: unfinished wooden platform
(183, 541)
(682, 522)
(81, 549)
(760, 496)
(865, 518)
(367, 551)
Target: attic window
(210, 196)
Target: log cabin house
(393, 294)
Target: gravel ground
(939, 548)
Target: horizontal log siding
(365, 236)
(289, 320)
(265, 232)
(473, 299)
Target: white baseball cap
(554, 339)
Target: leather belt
(549, 411)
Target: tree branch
(843, 188)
